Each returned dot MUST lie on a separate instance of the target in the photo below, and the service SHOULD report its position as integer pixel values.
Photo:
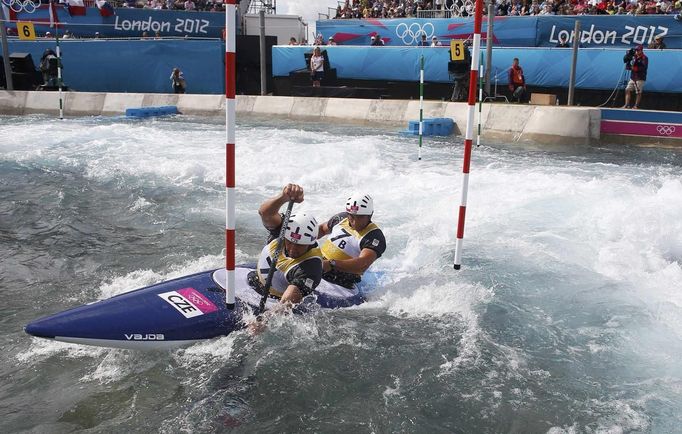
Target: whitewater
(566, 316)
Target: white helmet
(301, 229)
(360, 204)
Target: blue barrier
(142, 66)
(431, 127)
(598, 68)
(128, 22)
(148, 112)
(541, 31)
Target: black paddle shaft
(278, 250)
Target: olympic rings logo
(462, 8)
(412, 33)
(665, 130)
(29, 6)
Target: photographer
(49, 65)
(637, 63)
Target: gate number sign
(456, 49)
(26, 31)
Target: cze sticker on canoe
(189, 302)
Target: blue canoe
(173, 313)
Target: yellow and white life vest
(344, 241)
(284, 265)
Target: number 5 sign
(456, 50)
(26, 31)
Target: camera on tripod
(627, 59)
(459, 72)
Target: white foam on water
(141, 278)
(567, 217)
(119, 364)
(41, 349)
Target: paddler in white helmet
(354, 242)
(299, 265)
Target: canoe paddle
(278, 250)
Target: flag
(105, 9)
(54, 19)
(75, 7)
(9, 13)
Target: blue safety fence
(541, 31)
(127, 22)
(598, 68)
(135, 66)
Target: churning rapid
(565, 317)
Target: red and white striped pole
(230, 83)
(468, 138)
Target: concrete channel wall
(504, 122)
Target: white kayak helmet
(301, 229)
(360, 204)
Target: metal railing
(455, 9)
(269, 6)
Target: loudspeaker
(22, 62)
(24, 73)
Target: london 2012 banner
(545, 31)
(610, 31)
(127, 23)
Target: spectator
(658, 43)
(96, 35)
(178, 81)
(292, 41)
(189, 5)
(331, 41)
(435, 42)
(376, 41)
(423, 42)
(517, 82)
(638, 66)
(145, 35)
(316, 67)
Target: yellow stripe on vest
(285, 263)
(332, 251)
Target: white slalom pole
(466, 163)
(230, 113)
(480, 104)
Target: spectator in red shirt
(517, 82)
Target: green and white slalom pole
(59, 73)
(421, 103)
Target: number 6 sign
(26, 31)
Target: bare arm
(355, 265)
(269, 210)
(323, 230)
(292, 295)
